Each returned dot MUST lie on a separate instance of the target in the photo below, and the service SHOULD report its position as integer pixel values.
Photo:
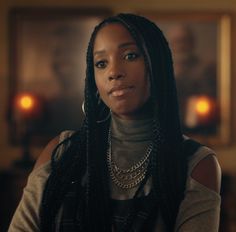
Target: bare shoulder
(208, 173)
(46, 154)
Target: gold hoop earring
(98, 121)
(83, 110)
(106, 118)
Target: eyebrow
(123, 45)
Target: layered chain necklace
(131, 177)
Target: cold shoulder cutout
(45, 156)
(208, 173)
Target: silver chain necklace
(131, 177)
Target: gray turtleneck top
(130, 140)
(199, 211)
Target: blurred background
(42, 69)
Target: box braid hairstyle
(86, 149)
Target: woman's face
(120, 72)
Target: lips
(120, 91)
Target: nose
(116, 72)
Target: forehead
(112, 33)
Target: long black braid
(86, 149)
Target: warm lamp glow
(27, 105)
(203, 106)
(200, 111)
(26, 102)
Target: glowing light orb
(203, 106)
(26, 102)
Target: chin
(129, 114)
(130, 110)
(123, 113)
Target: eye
(131, 56)
(100, 64)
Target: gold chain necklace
(131, 177)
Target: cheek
(146, 85)
(101, 89)
(146, 92)
(98, 82)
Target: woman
(128, 168)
